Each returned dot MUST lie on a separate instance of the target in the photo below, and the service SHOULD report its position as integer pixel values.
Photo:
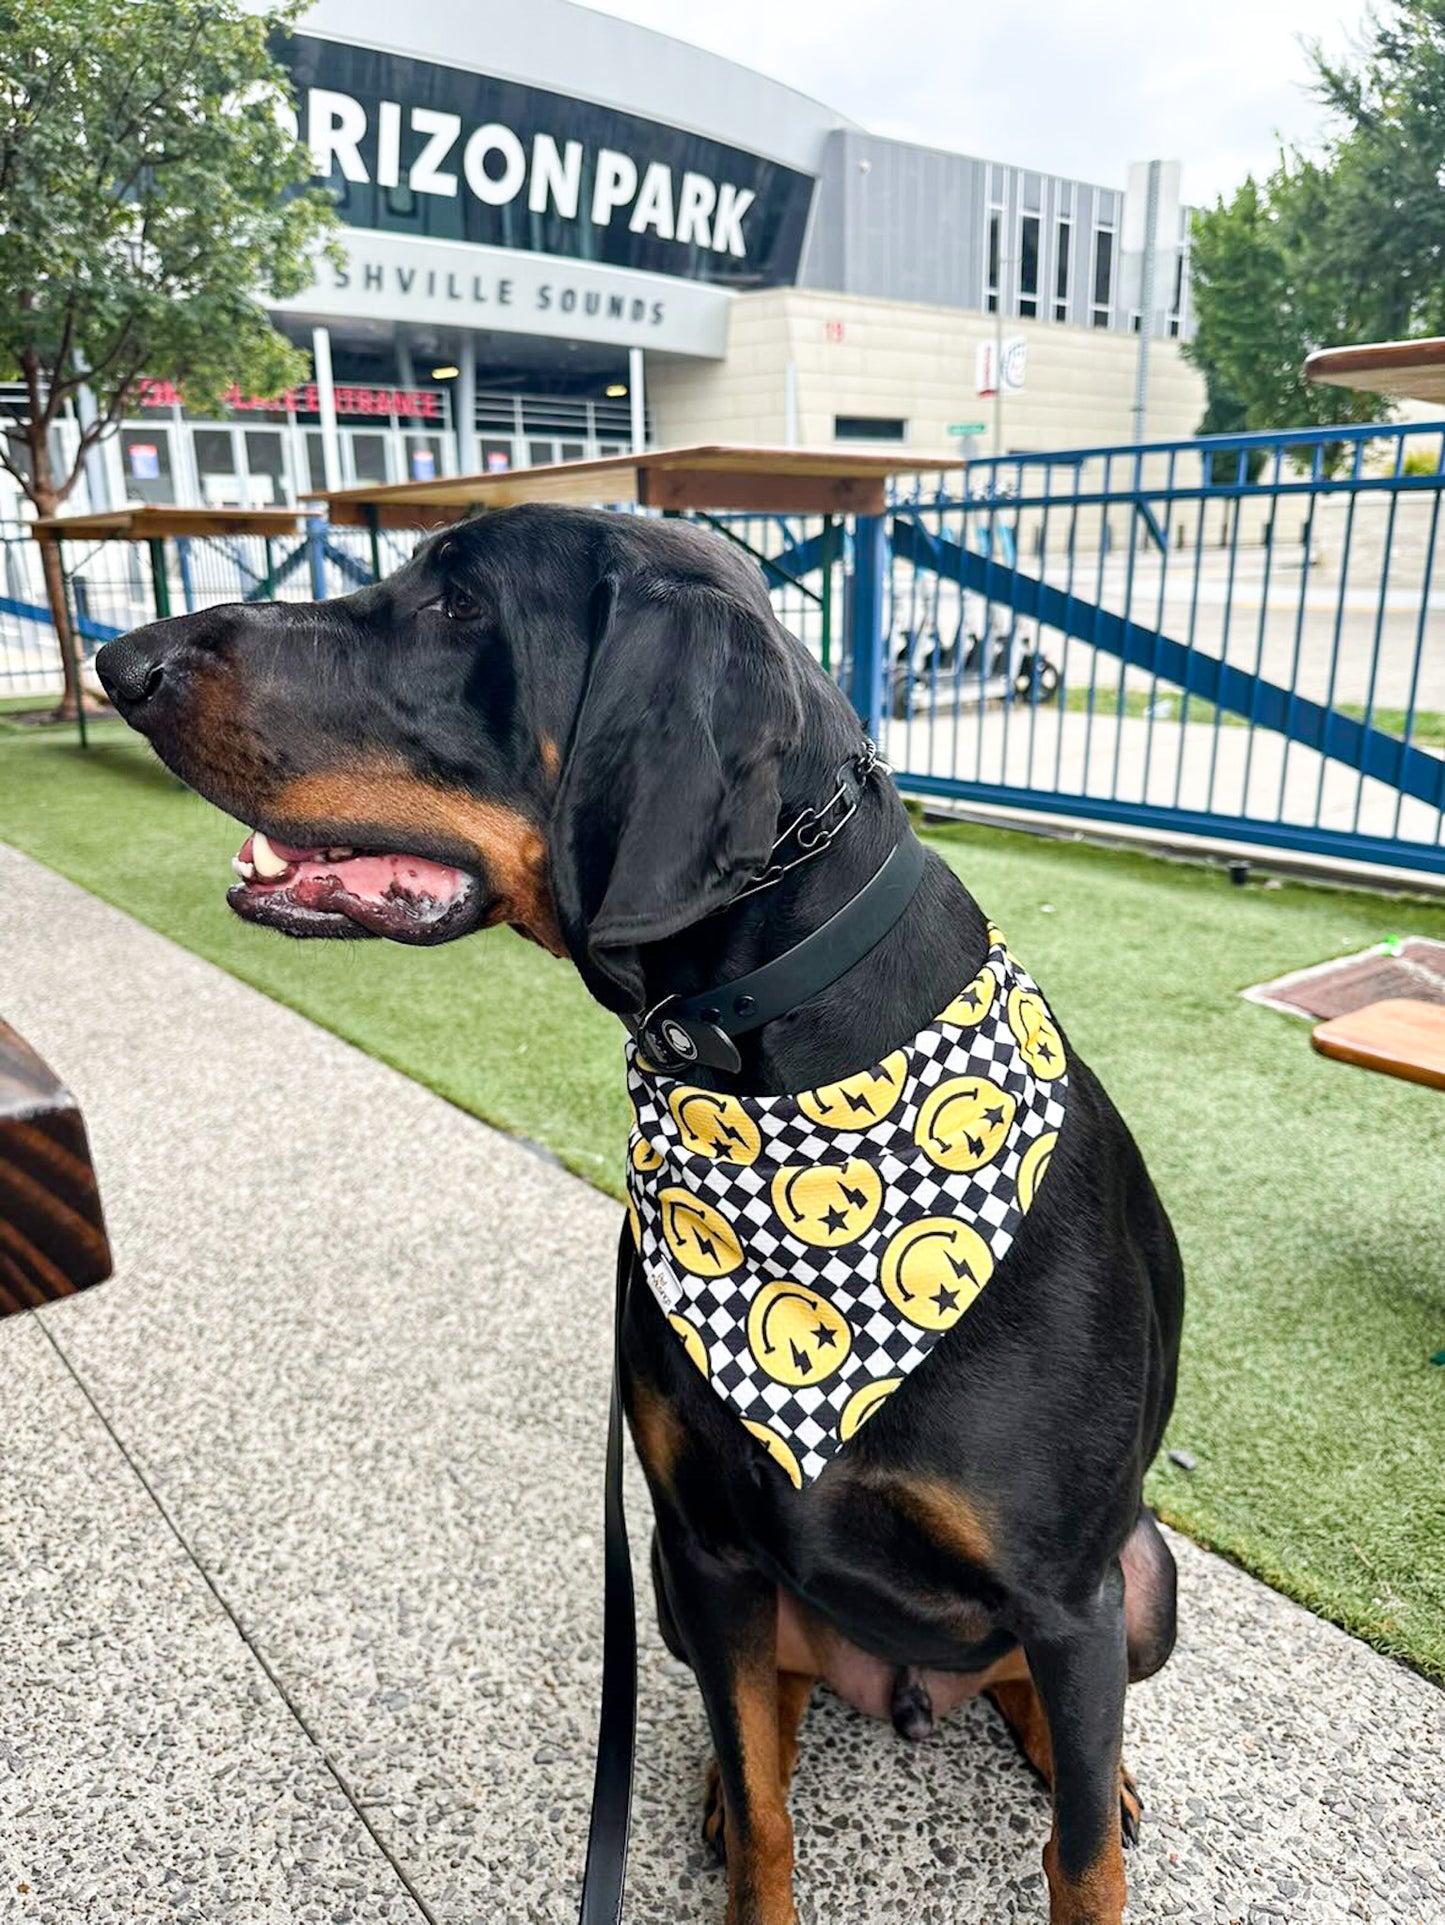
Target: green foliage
(1265, 300)
(1342, 248)
(1385, 239)
(151, 198)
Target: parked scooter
(930, 672)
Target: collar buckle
(673, 1041)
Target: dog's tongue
(380, 892)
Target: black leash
(682, 1031)
(606, 1871)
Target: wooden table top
(52, 1232)
(1410, 370)
(1401, 1036)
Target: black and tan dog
(419, 761)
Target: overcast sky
(1078, 87)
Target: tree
(1386, 236)
(1339, 249)
(150, 198)
(1265, 296)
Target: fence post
(375, 543)
(867, 644)
(160, 586)
(183, 557)
(825, 557)
(316, 556)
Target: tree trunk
(43, 494)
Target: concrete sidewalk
(300, 1557)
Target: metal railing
(1240, 637)
(113, 586)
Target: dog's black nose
(132, 670)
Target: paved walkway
(300, 1560)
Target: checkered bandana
(810, 1250)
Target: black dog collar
(683, 1032)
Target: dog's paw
(714, 1829)
(1131, 1807)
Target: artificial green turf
(1309, 1197)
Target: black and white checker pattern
(884, 1343)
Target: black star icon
(824, 1337)
(1043, 1049)
(994, 1116)
(945, 1299)
(835, 1219)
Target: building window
(1103, 276)
(995, 224)
(1065, 237)
(1176, 306)
(869, 427)
(1029, 266)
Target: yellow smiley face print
(796, 1335)
(965, 1123)
(858, 1101)
(645, 1156)
(971, 1005)
(827, 1204)
(780, 1452)
(692, 1341)
(1035, 1163)
(700, 1237)
(1036, 1034)
(933, 1269)
(865, 1403)
(715, 1126)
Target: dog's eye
(461, 606)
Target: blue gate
(1238, 637)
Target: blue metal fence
(1241, 637)
(113, 586)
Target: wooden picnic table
(1406, 370)
(1400, 1035)
(52, 1233)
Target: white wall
(898, 359)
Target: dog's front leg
(727, 1619)
(1080, 1666)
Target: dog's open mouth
(352, 892)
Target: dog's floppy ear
(669, 797)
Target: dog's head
(569, 721)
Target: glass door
(217, 468)
(363, 452)
(267, 482)
(145, 457)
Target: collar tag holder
(685, 1032)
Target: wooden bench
(52, 1233)
(1401, 1035)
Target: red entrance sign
(408, 404)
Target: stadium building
(565, 233)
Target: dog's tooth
(339, 855)
(268, 864)
(244, 870)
